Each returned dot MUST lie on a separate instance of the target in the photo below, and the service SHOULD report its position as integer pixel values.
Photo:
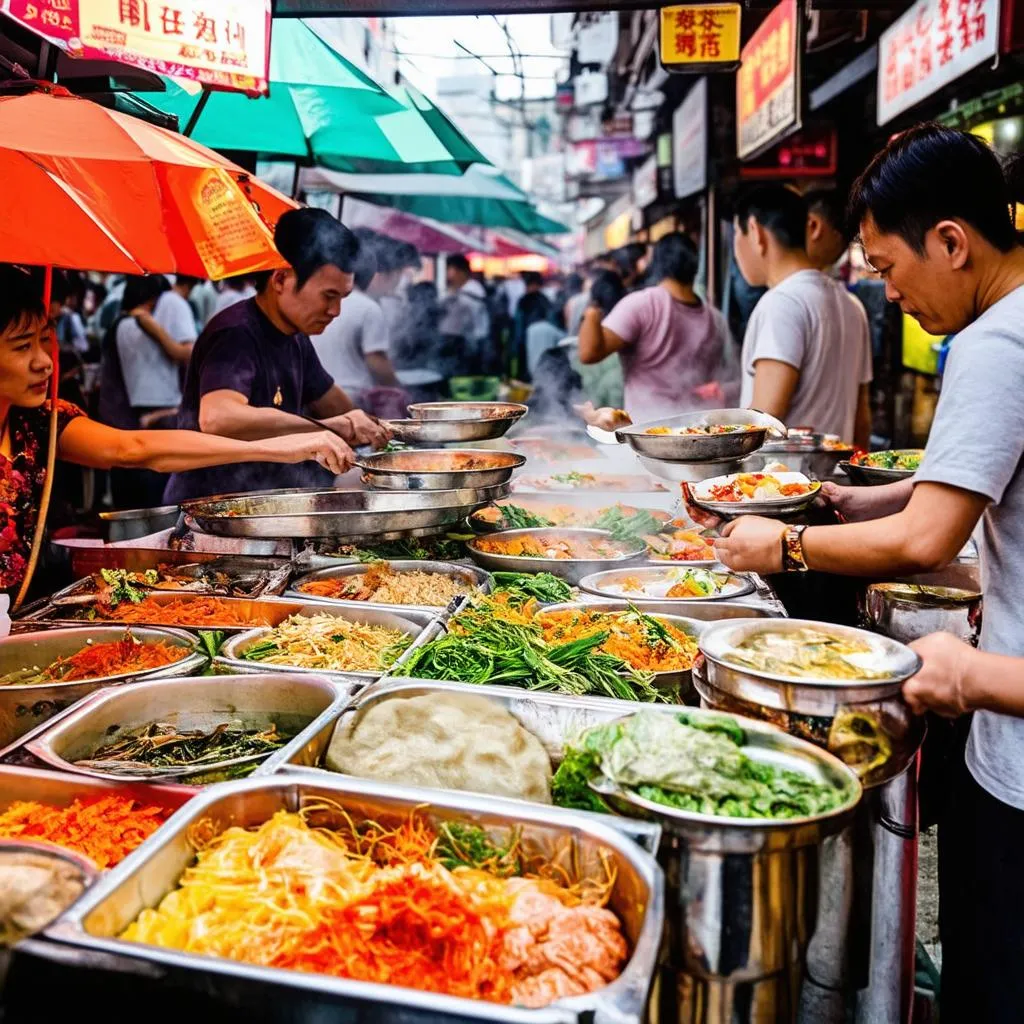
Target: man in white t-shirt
(354, 346)
(174, 312)
(807, 348)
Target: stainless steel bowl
(451, 431)
(471, 411)
(598, 583)
(133, 523)
(814, 462)
(397, 471)
(413, 623)
(701, 447)
(572, 570)
(22, 708)
(909, 611)
(297, 705)
(337, 514)
(859, 473)
(141, 881)
(472, 577)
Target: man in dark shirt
(253, 370)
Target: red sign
(224, 44)
(767, 98)
(811, 153)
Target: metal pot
(908, 611)
(133, 523)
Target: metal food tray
(595, 583)
(474, 577)
(396, 471)
(304, 705)
(22, 708)
(572, 570)
(144, 878)
(340, 514)
(701, 447)
(415, 623)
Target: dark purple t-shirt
(241, 350)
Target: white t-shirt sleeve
(374, 335)
(781, 331)
(865, 370)
(174, 315)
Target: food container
(466, 574)
(438, 469)
(22, 708)
(806, 454)
(782, 505)
(864, 722)
(909, 611)
(657, 581)
(677, 680)
(860, 472)
(414, 623)
(297, 705)
(572, 570)
(473, 412)
(701, 447)
(430, 431)
(142, 880)
(133, 523)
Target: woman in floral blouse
(25, 371)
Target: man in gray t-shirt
(934, 216)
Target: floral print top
(21, 485)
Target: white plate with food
(656, 583)
(761, 493)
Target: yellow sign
(918, 347)
(701, 34)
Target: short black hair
(606, 290)
(628, 256)
(532, 279)
(830, 203)
(365, 267)
(931, 173)
(142, 288)
(187, 279)
(779, 210)
(457, 261)
(309, 239)
(675, 258)
(407, 255)
(21, 298)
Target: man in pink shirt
(669, 341)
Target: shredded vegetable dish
(642, 641)
(553, 546)
(446, 909)
(104, 829)
(206, 612)
(328, 642)
(96, 661)
(909, 459)
(805, 653)
(759, 487)
(381, 584)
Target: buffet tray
(92, 924)
(308, 703)
(341, 514)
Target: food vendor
(935, 217)
(254, 373)
(25, 371)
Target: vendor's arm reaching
(596, 342)
(177, 351)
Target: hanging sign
(929, 46)
(768, 82)
(223, 44)
(700, 37)
(690, 142)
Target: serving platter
(645, 584)
(781, 505)
(439, 469)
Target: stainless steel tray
(396, 471)
(570, 569)
(22, 708)
(341, 514)
(301, 705)
(648, 575)
(470, 575)
(145, 877)
(415, 623)
(701, 447)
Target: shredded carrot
(105, 830)
(185, 611)
(127, 655)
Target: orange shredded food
(127, 655)
(185, 611)
(105, 830)
(376, 904)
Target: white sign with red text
(930, 45)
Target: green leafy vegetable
(396, 446)
(443, 549)
(460, 845)
(627, 526)
(515, 517)
(264, 649)
(124, 585)
(212, 641)
(543, 586)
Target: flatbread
(444, 741)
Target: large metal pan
(400, 471)
(297, 705)
(450, 431)
(468, 411)
(22, 708)
(702, 447)
(572, 570)
(142, 880)
(338, 514)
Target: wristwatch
(793, 549)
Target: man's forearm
(591, 343)
(245, 422)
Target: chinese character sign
(929, 46)
(767, 97)
(224, 44)
(698, 35)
